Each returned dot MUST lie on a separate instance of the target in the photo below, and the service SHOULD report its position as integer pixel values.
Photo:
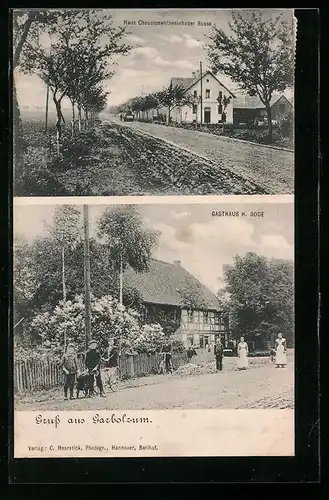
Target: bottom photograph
(135, 308)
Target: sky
(159, 53)
(190, 233)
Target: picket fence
(32, 375)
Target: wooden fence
(41, 374)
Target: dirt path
(271, 169)
(258, 387)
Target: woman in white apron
(280, 352)
(242, 354)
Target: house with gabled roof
(250, 109)
(173, 296)
(209, 95)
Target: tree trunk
(169, 111)
(269, 121)
(79, 118)
(60, 118)
(47, 108)
(73, 118)
(18, 141)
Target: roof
(164, 283)
(188, 82)
(243, 101)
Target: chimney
(177, 262)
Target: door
(207, 115)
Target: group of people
(279, 355)
(93, 362)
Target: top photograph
(153, 102)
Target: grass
(108, 160)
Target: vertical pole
(201, 100)
(47, 107)
(87, 274)
(63, 273)
(64, 288)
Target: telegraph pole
(201, 94)
(87, 274)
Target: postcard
(154, 329)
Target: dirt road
(262, 386)
(270, 168)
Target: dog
(82, 384)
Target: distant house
(170, 293)
(247, 109)
(213, 92)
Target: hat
(92, 342)
(70, 345)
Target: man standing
(93, 361)
(219, 353)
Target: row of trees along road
(73, 52)
(168, 97)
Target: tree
(66, 231)
(259, 296)
(78, 54)
(127, 241)
(258, 56)
(172, 96)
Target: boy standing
(93, 362)
(69, 363)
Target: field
(146, 159)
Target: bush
(177, 346)
(108, 319)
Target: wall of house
(201, 328)
(185, 114)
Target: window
(220, 109)
(212, 318)
(216, 318)
(194, 110)
(282, 108)
(184, 315)
(220, 94)
(207, 80)
(195, 93)
(190, 316)
(207, 93)
(205, 317)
